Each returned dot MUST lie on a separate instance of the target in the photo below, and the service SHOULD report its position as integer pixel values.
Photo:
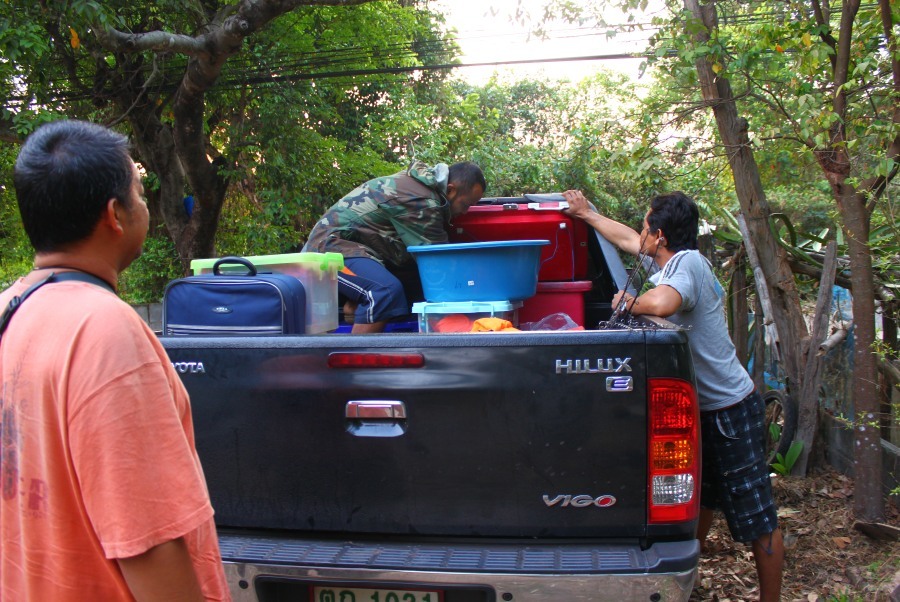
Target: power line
(303, 65)
(412, 69)
(261, 79)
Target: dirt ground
(826, 559)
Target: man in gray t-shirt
(721, 380)
(735, 472)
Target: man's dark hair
(678, 217)
(64, 176)
(466, 175)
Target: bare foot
(349, 312)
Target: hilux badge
(602, 365)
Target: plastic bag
(557, 321)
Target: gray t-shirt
(721, 380)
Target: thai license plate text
(359, 594)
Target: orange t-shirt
(98, 459)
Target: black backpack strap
(83, 277)
(17, 301)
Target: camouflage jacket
(382, 217)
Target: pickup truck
(476, 467)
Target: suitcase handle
(251, 269)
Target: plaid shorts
(735, 476)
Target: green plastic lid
(324, 261)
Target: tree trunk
(868, 499)
(155, 146)
(740, 326)
(808, 411)
(733, 132)
(197, 237)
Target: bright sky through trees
(488, 33)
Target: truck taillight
(673, 451)
(352, 359)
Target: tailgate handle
(375, 410)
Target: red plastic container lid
(577, 286)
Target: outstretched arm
(618, 234)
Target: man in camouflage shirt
(374, 224)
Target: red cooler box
(554, 297)
(565, 258)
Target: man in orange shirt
(103, 496)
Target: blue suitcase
(231, 304)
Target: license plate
(359, 594)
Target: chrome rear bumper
(263, 568)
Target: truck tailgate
(504, 435)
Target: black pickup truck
(424, 467)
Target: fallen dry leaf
(841, 542)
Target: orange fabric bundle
(453, 323)
(493, 325)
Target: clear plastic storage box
(459, 316)
(317, 271)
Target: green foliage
(779, 63)
(146, 278)
(774, 431)
(255, 228)
(16, 253)
(783, 464)
(809, 208)
(303, 144)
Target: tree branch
(823, 18)
(842, 55)
(158, 41)
(153, 75)
(777, 106)
(882, 293)
(835, 338)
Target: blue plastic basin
(505, 270)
